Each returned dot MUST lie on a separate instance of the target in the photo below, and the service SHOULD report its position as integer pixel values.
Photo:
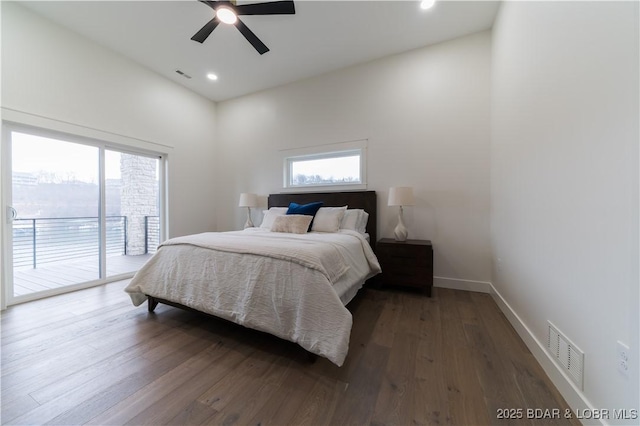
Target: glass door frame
(7, 297)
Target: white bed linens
(293, 286)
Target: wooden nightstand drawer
(413, 277)
(406, 264)
(405, 255)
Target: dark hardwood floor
(90, 357)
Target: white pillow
(328, 219)
(351, 219)
(271, 214)
(355, 220)
(292, 223)
(363, 218)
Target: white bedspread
(293, 286)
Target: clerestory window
(330, 167)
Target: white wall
(564, 184)
(51, 72)
(425, 114)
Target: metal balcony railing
(151, 233)
(48, 240)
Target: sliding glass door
(80, 213)
(56, 206)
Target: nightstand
(406, 263)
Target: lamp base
(400, 232)
(248, 223)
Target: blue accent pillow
(307, 209)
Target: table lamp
(248, 200)
(401, 196)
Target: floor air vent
(568, 356)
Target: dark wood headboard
(365, 200)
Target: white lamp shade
(401, 196)
(248, 200)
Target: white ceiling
(322, 36)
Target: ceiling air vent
(183, 74)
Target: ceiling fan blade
(251, 37)
(271, 8)
(204, 32)
(211, 4)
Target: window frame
(338, 150)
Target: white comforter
(289, 285)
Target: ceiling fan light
(226, 15)
(427, 4)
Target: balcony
(49, 253)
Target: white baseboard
(460, 284)
(573, 396)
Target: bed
(293, 286)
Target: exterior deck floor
(61, 274)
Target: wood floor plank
(394, 405)
(409, 316)
(96, 398)
(452, 329)
(282, 407)
(466, 399)
(496, 377)
(31, 325)
(386, 325)
(546, 406)
(56, 324)
(195, 413)
(242, 379)
(431, 403)
(37, 317)
(256, 392)
(84, 323)
(72, 406)
(467, 309)
(50, 377)
(180, 404)
(15, 405)
(319, 405)
(464, 393)
(147, 351)
(156, 393)
(64, 348)
(497, 325)
(358, 402)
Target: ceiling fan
(227, 12)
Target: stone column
(138, 197)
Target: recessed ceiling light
(212, 76)
(226, 15)
(427, 4)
